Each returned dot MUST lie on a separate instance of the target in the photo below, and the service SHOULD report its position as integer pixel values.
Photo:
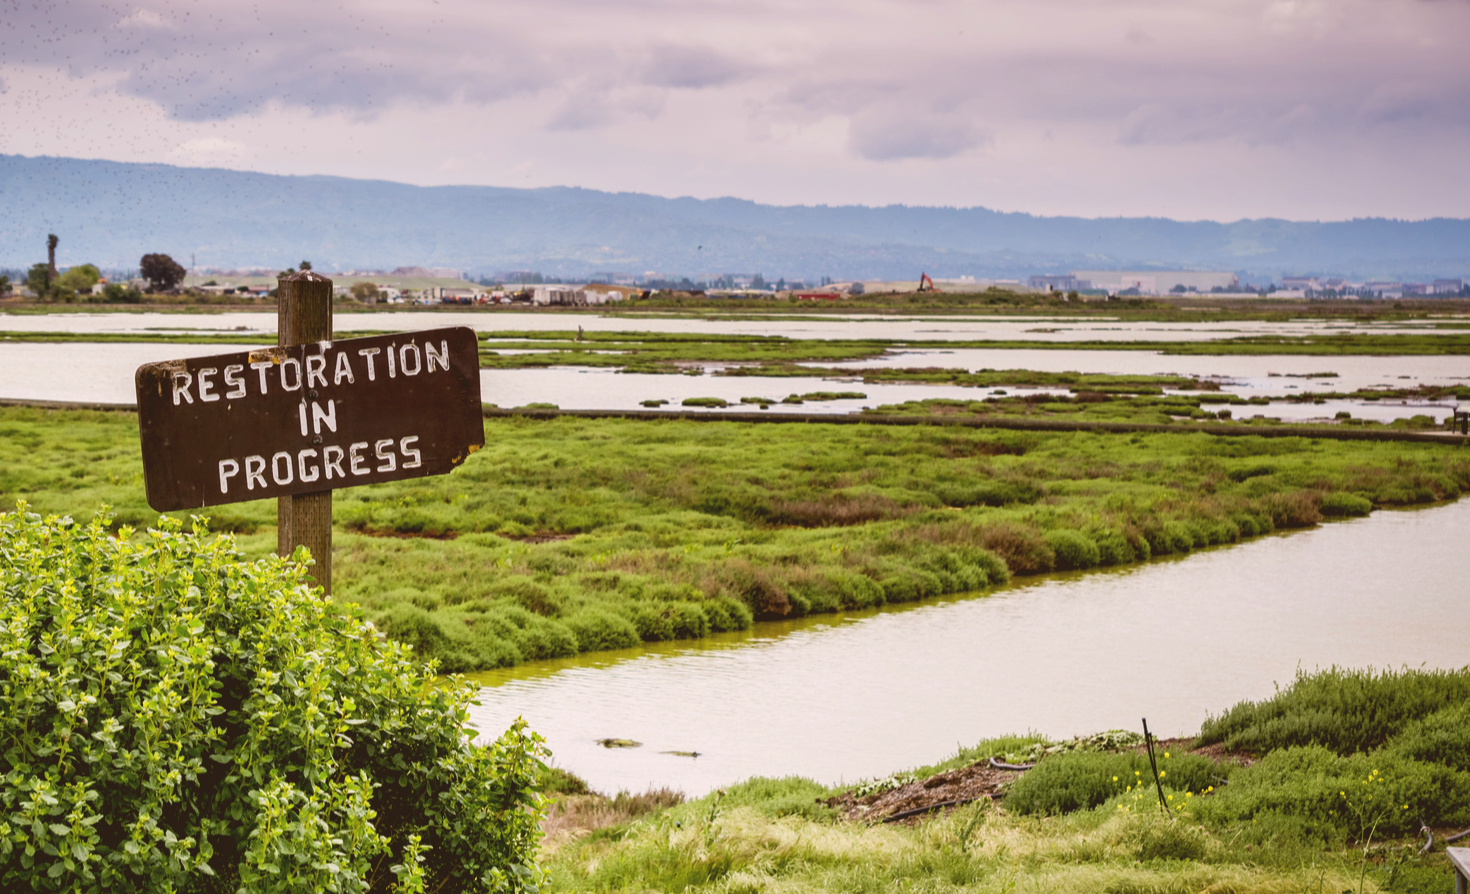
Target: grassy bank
(1307, 798)
(575, 535)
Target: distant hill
(111, 213)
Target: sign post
(303, 316)
(305, 417)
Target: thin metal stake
(1148, 741)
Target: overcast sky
(1197, 109)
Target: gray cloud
(669, 65)
(937, 80)
(895, 133)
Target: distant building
(1060, 282)
(1157, 282)
(1447, 286)
(1382, 289)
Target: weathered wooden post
(304, 316)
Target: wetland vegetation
(1296, 793)
(574, 535)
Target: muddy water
(103, 373)
(843, 698)
(942, 328)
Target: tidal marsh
(574, 535)
(1281, 817)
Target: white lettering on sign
(282, 461)
(318, 417)
(332, 461)
(183, 389)
(308, 473)
(316, 368)
(409, 358)
(358, 462)
(228, 469)
(301, 413)
(254, 471)
(284, 467)
(294, 365)
(261, 366)
(232, 379)
(205, 386)
(403, 356)
(368, 353)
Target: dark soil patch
(945, 791)
(942, 792)
(538, 538)
(410, 535)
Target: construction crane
(926, 284)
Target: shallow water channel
(103, 372)
(841, 698)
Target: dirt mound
(914, 800)
(911, 802)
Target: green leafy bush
(598, 629)
(176, 718)
(1359, 795)
(1080, 780)
(1443, 737)
(1340, 505)
(1344, 710)
(1073, 549)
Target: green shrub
(1112, 547)
(1443, 737)
(598, 629)
(727, 614)
(1062, 783)
(532, 635)
(989, 493)
(176, 718)
(1341, 505)
(1073, 550)
(787, 796)
(1344, 710)
(1358, 795)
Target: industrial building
(1156, 282)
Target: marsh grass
(1301, 819)
(570, 535)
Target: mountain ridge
(111, 213)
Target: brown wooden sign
(308, 418)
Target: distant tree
(77, 280)
(4, 285)
(758, 282)
(305, 265)
(161, 271)
(51, 243)
(365, 292)
(38, 280)
(117, 293)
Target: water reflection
(859, 696)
